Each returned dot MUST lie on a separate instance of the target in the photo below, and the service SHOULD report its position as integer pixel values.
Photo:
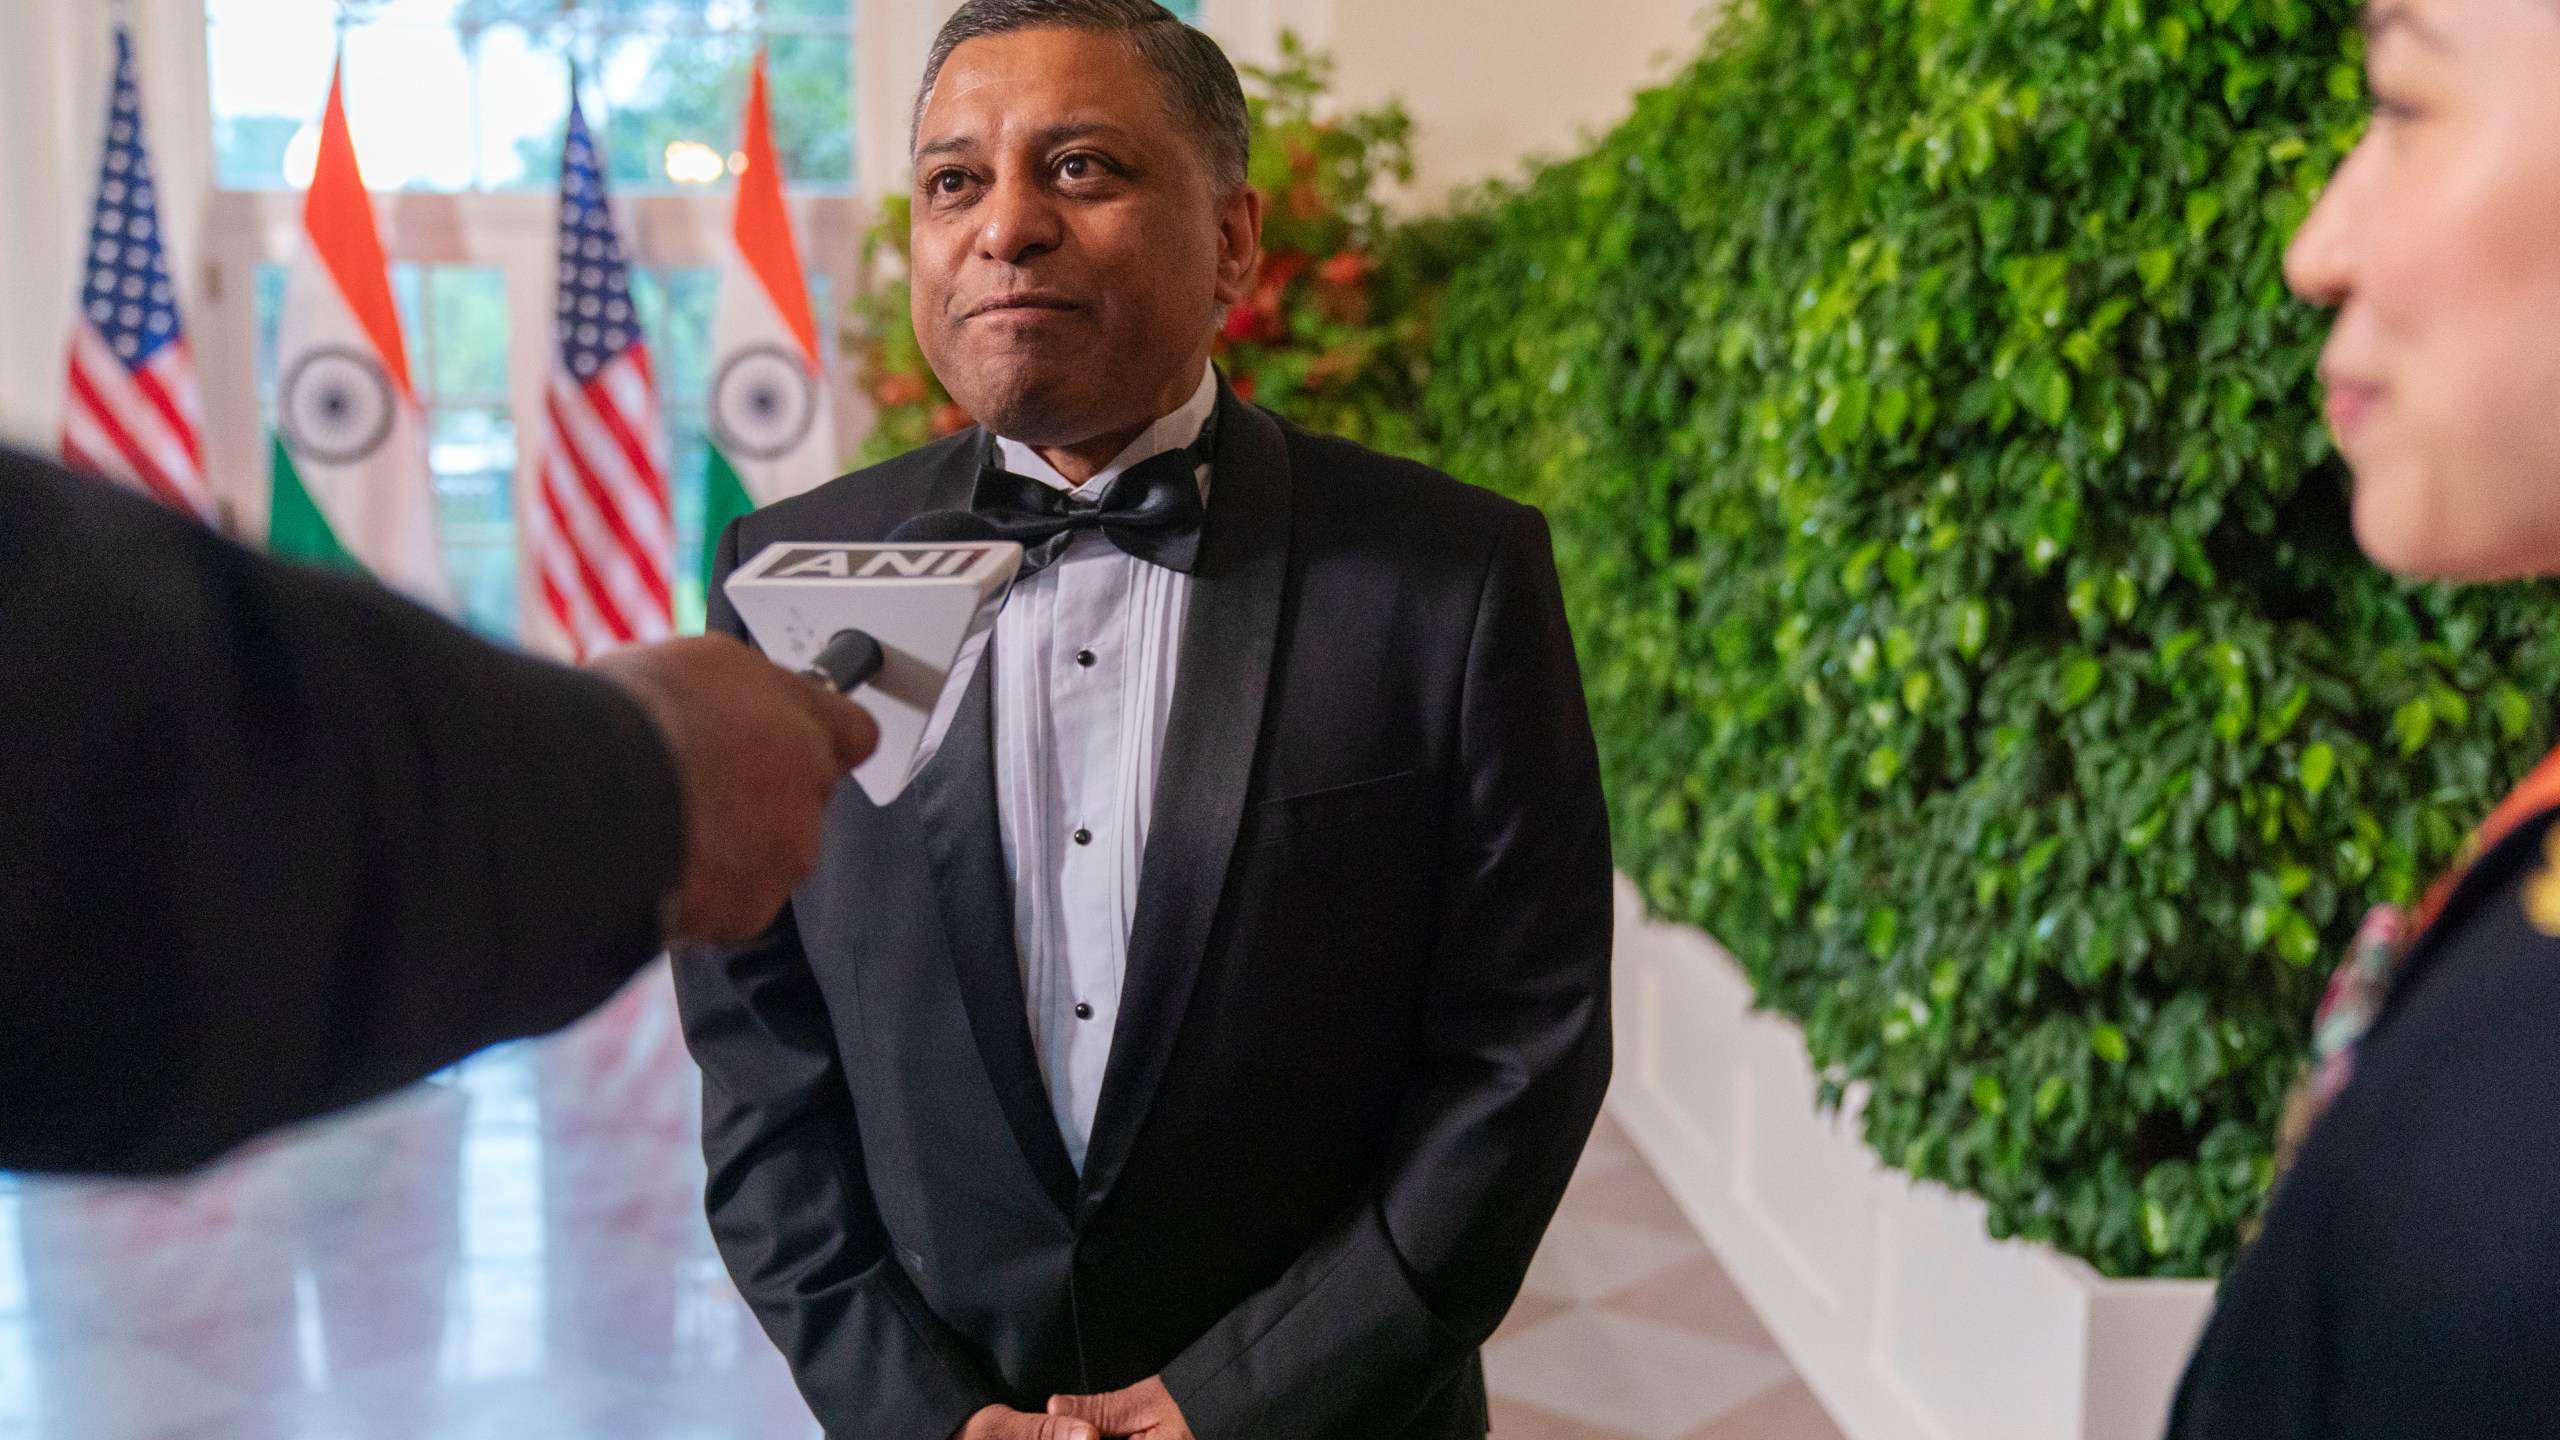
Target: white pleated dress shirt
(1085, 654)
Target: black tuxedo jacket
(1364, 1033)
(273, 841)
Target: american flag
(133, 413)
(605, 538)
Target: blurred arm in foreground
(274, 841)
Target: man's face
(2439, 242)
(1072, 249)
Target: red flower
(1243, 386)
(901, 387)
(1261, 318)
(1305, 201)
(1246, 322)
(1344, 269)
(1282, 266)
(950, 419)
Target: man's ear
(1239, 243)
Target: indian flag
(772, 433)
(351, 484)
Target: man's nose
(1018, 220)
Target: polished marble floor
(1628, 1329)
(515, 1251)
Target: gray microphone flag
(928, 603)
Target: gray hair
(1200, 84)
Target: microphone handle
(848, 661)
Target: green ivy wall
(1963, 577)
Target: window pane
(270, 302)
(468, 306)
(472, 450)
(473, 94)
(455, 319)
(409, 92)
(270, 61)
(811, 80)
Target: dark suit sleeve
(789, 1200)
(1393, 1301)
(273, 841)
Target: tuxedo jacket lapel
(1228, 643)
(955, 800)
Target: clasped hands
(1144, 1410)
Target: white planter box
(1897, 1307)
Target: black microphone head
(848, 662)
(944, 527)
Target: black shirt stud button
(1085, 658)
(1084, 837)
(1084, 1011)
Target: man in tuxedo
(1201, 1044)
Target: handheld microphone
(899, 626)
(848, 662)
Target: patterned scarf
(2389, 934)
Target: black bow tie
(1152, 510)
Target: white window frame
(53, 63)
(515, 233)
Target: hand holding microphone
(760, 748)
(758, 751)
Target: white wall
(1889, 1295)
(53, 96)
(888, 60)
(1490, 83)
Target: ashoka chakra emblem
(335, 406)
(762, 403)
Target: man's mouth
(1020, 302)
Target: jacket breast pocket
(1385, 800)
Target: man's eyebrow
(1072, 130)
(2382, 19)
(1049, 138)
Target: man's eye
(949, 182)
(1079, 167)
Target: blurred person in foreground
(274, 841)
(1202, 1042)
(2407, 1280)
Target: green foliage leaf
(2319, 763)
(2079, 681)
(2107, 1043)
(1951, 533)
(2413, 724)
